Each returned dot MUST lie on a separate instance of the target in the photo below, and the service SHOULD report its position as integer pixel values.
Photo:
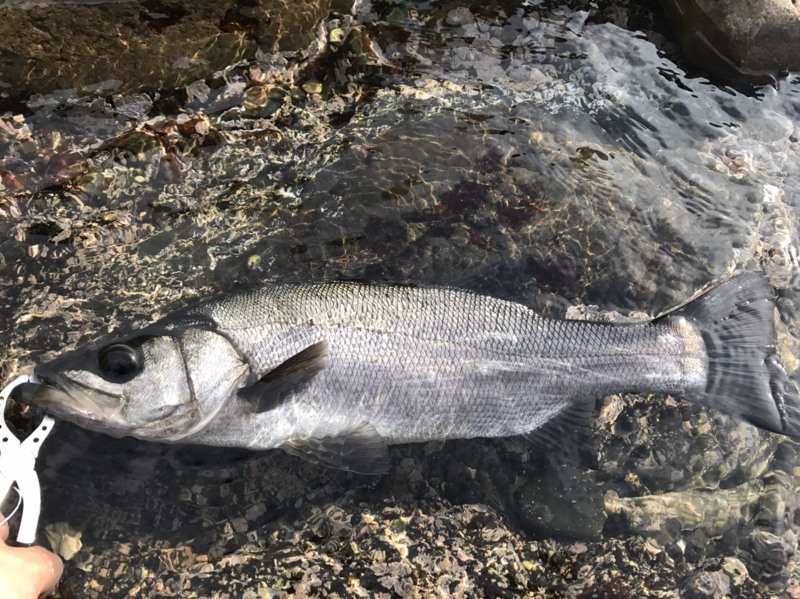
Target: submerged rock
(706, 585)
(665, 514)
(736, 37)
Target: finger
(47, 570)
(3, 530)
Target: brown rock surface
(147, 44)
(738, 37)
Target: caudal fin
(745, 376)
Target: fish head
(153, 385)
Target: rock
(735, 38)
(704, 448)
(696, 509)
(154, 44)
(706, 585)
(735, 570)
(65, 540)
(771, 552)
(779, 236)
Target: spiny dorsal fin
(360, 450)
(287, 378)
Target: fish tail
(745, 376)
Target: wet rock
(706, 585)
(673, 445)
(122, 46)
(665, 514)
(735, 38)
(735, 570)
(771, 553)
(64, 540)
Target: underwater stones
(777, 502)
(779, 238)
(771, 552)
(123, 46)
(735, 38)
(666, 514)
(706, 585)
(735, 570)
(673, 445)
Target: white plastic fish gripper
(17, 464)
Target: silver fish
(335, 372)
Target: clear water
(543, 154)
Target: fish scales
(429, 373)
(336, 372)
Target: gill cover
(159, 384)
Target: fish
(336, 372)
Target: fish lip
(47, 379)
(69, 399)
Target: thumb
(3, 529)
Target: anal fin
(568, 436)
(360, 450)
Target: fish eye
(119, 362)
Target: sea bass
(336, 372)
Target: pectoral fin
(287, 378)
(360, 450)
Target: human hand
(26, 572)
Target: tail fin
(745, 376)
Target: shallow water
(543, 154)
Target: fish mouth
(74, 402)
